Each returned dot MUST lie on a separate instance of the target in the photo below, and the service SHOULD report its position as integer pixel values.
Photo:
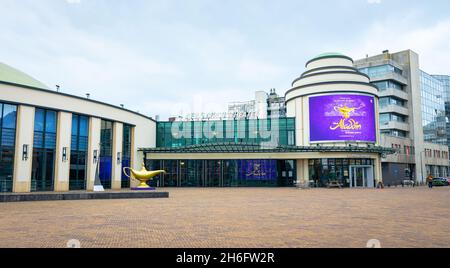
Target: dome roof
(330, 54)
(14, 76)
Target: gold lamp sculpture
(143, 176)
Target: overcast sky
(167, 57)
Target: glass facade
(280, 131)
(78, 153)
(126, 153)
(8, 114)
(445, 80)
(381, 70)
(44, 147)
(106, 138)
(433, 109)
(323, 171)
(223, 173)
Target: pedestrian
(430, 181)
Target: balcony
(390, 76)
(399, 158)
(392, 92)
(395, 125)
(392, 108)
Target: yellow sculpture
(345, 111)
(143, 175)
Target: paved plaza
(237, 217)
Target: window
(434, 118)
(385, 101)
(44, 146)
(78, 152)
(394, 132)
(381, 70)
(126, 153)
(8, 114)
(389, 84)
(106, 138)
(224, 173)
(385, 118)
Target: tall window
(126, 153)
(44, 150)
(7, 145)
(106, 136)
(78, 153)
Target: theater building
(51, 141)
(330, 136)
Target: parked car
(440, 182)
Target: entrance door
(213, 173)
(361, 176)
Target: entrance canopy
(233, 147)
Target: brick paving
(237, 217)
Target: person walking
(430, 181)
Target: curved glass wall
(126, 153)
(224, 173)
(78, 152)
(106, 137)
(8, 114)
(44, 147)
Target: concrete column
(24, 136)
(377, 120)
(116, 180)
(304, 113)
(415, 106)
(377, 170)
(302, 172)
(94, 145)
(299, 122)
(63, 138)
(306, 171)
(299, 164)
(135, 161)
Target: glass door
(213, 173)
(361, 176)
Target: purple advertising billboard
(343, 117)
(257, 169)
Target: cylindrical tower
(333, 103)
